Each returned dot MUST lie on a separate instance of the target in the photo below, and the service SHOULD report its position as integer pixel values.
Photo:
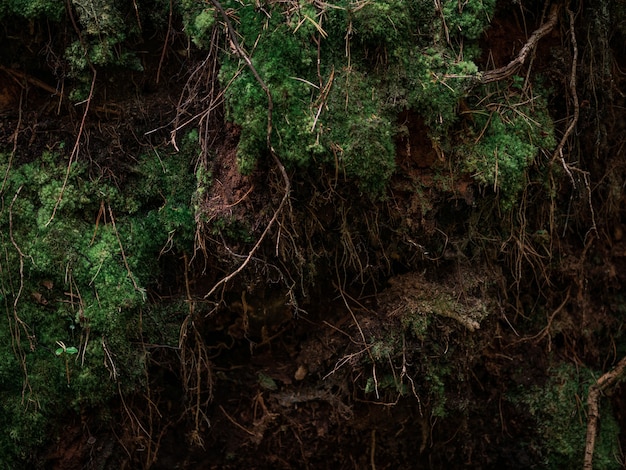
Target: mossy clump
(339, 75)
(503, 144)
(468, 19)
(79, 255)
(33, 9)
(557, 410)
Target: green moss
(232, 229)
(198, 19)
(336, 102)
(417, 323)
(88, 258)
(380, 23)
(284, 59)
(101, 34)
(560, 421)
(468, 19)
(33, 9)
(435, 377)
(508, 139)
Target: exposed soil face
(333, 348)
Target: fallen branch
(21, 77)
(595, 391)
(513, 66)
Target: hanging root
(558, 153)
(270, 106)
(512, 67)
(195, 366)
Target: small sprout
(70, 350)
(266, 382)
(63, 350)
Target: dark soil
(289, 385)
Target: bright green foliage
(31, 9)
(87, 259)
(469, 19)
(282, 58)
(360, 134)
(382, 23)
(339, 75)
(561, 422)
(508, 139)
(434, 86)
(199, 19)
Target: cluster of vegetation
(417, 354)
(75, 266)
(339, 75)
(422, 331)
(97, 34)
(504, 140)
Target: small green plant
(66, 352)
(387, 382)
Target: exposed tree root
(270, 106)
(513, 66)
(595, 392)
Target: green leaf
(266, 382)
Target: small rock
(300, 373)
